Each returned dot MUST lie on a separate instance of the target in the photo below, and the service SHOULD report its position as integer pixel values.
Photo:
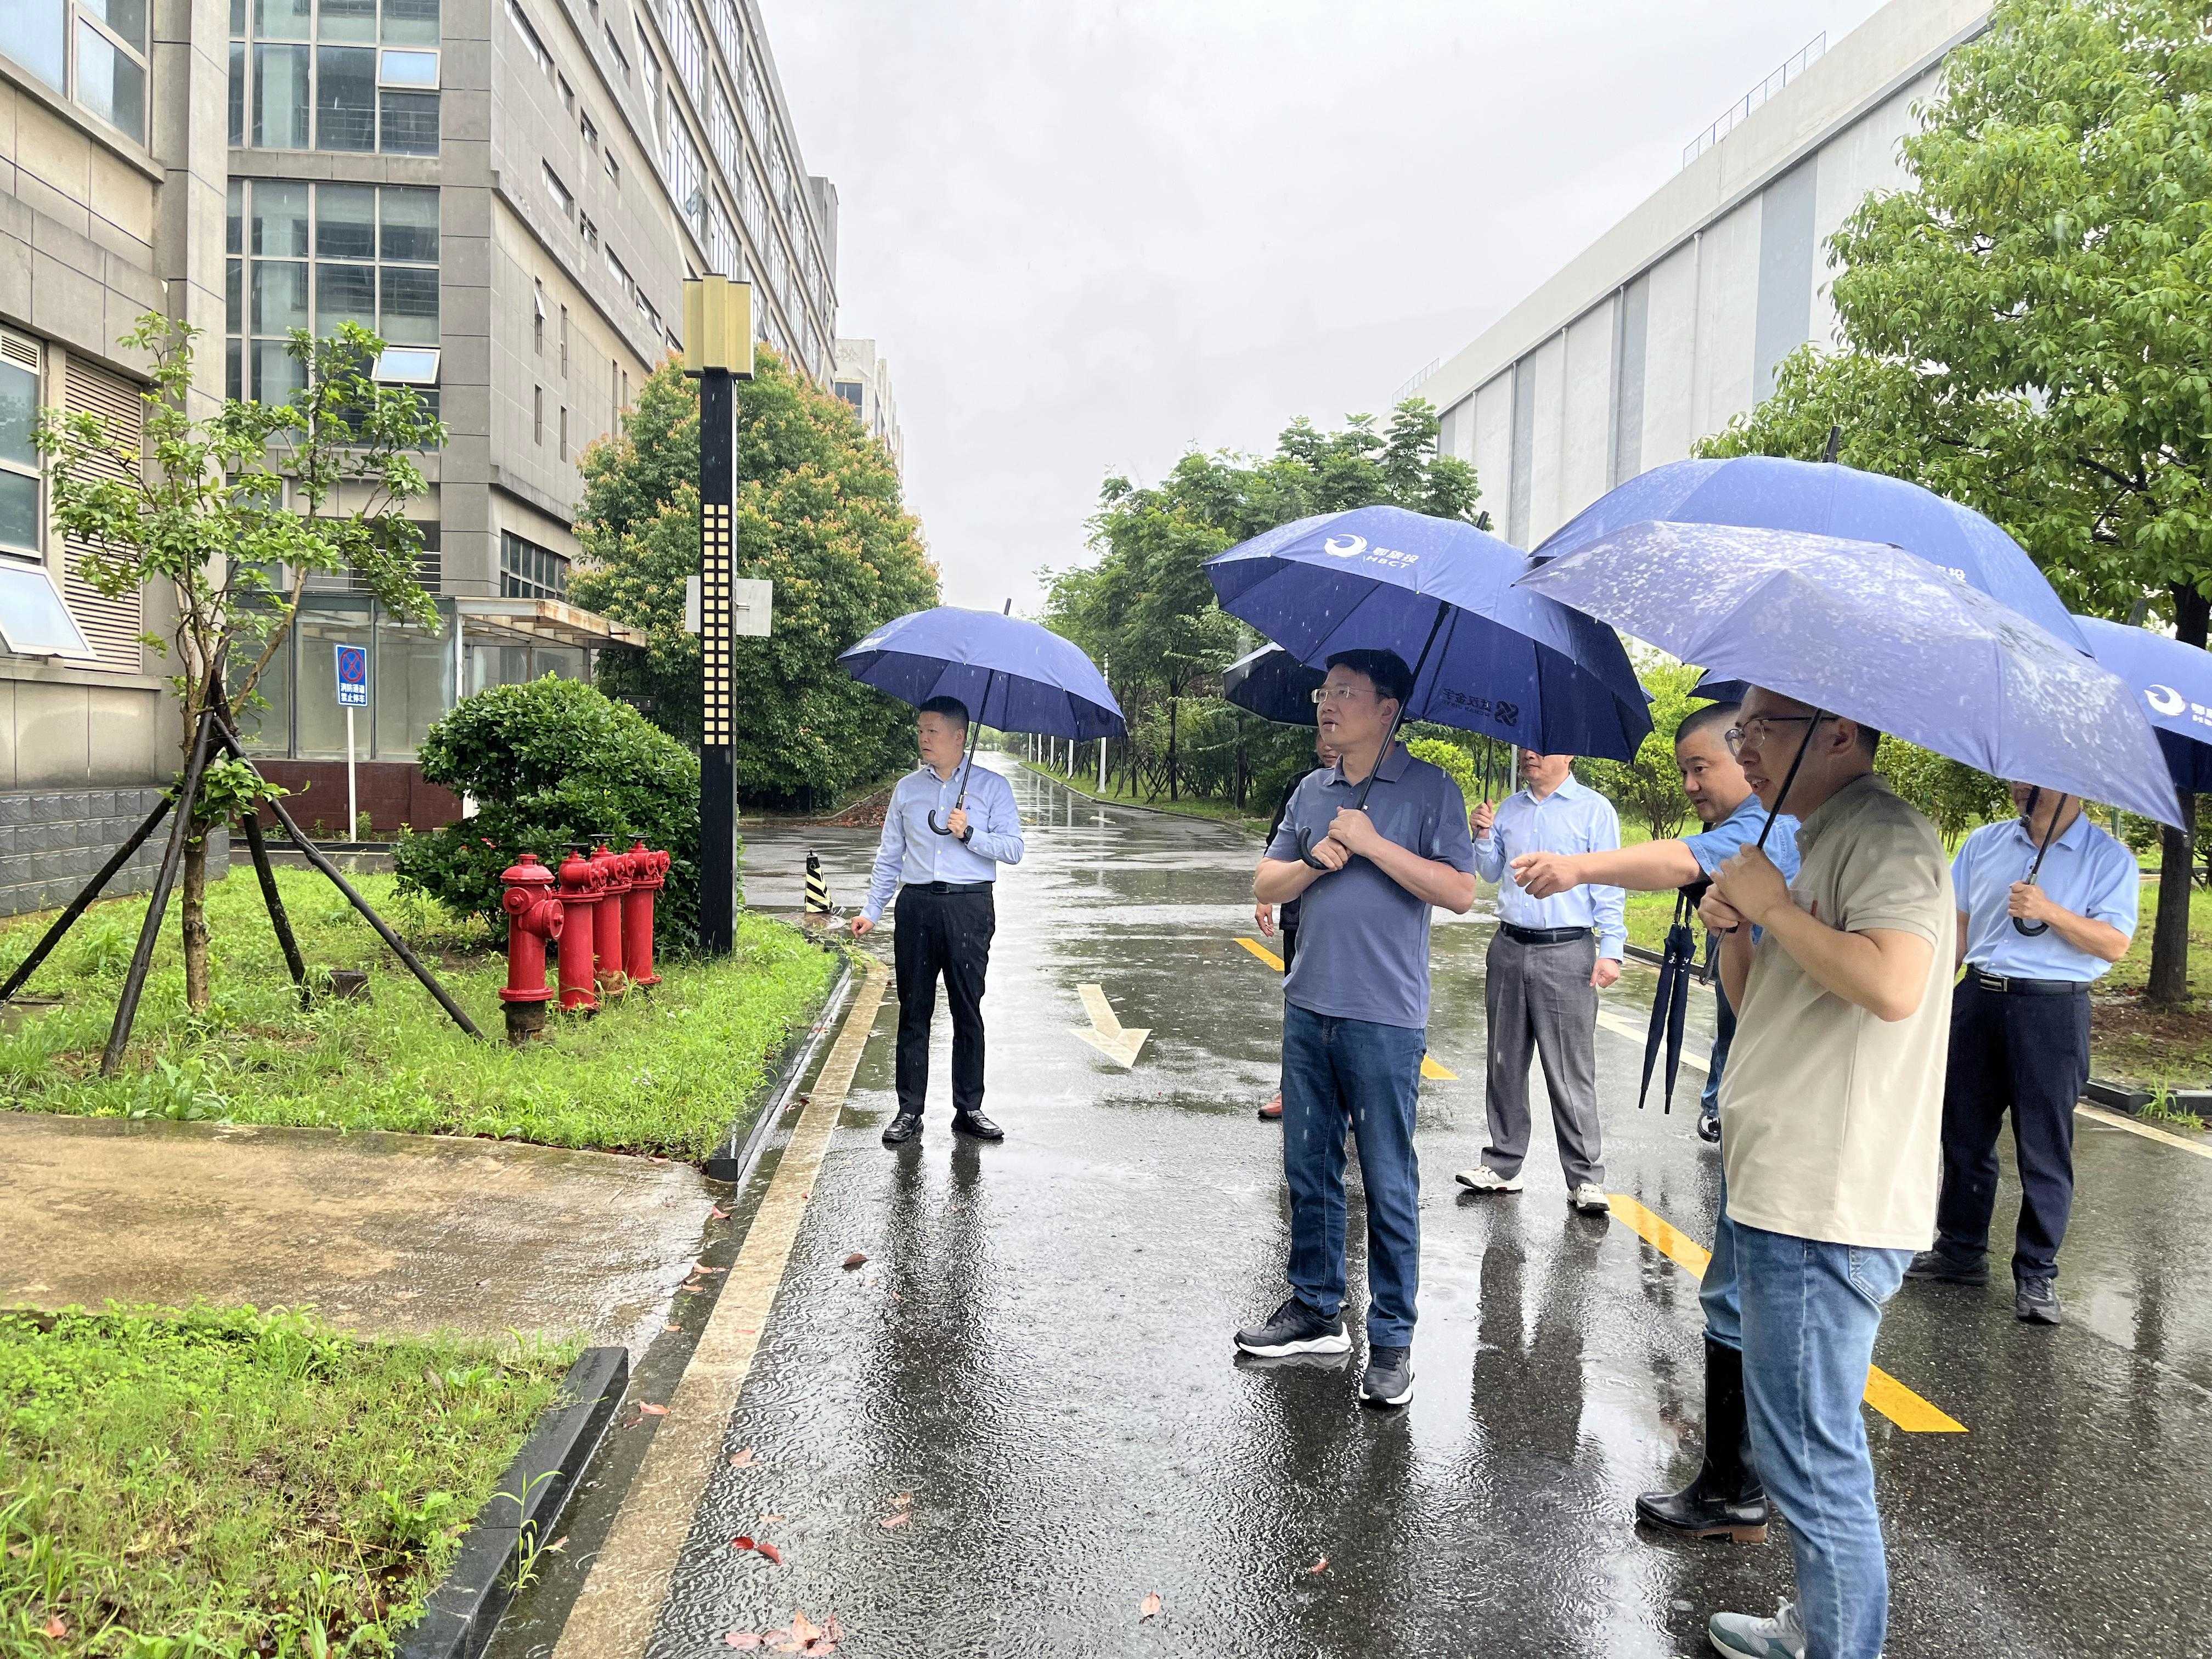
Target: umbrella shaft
(1397, 720)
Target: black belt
(2025, 988)
(950, 886)
(1542, 935)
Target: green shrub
(549, 764)
(1457, 764)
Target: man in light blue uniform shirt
(2020, 1032)
(943, 871)
(1548, 960)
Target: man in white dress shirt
(945, 836)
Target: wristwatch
(967, 835)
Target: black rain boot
(1725, 1500)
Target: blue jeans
(1332, 1068)
(1709, 1098)
(1718, 1293)
(1810, 1312)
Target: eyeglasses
(1759, 729)
(1328, 694)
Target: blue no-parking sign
(353, 676)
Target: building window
(34, 621)
(686, 173)
(537, 319)
(534, 47)
(564, 203)
(313, 257)
(614, 48)
(686, 46)
(724, 16)
(564, 343)
(344, 75)
(564, 432)
(538, 415)
(853, 392)
(93, 50)
(527, 571)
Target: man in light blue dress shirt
(948, 828)
(1548, 960)
(2020, 1032)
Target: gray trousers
(1540, 1001)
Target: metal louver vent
(15, 349)
(111, 625)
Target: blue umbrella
(1273, 684)
(1872, 634)
(1008, 673)
(1766, 492)
(1487, 656)
(2175, 684)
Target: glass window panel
(409, 69)
(126, 18)
(410, 22)
(345, 98)
(411, 224)
(234, 229)
(411, 305)
(234, 297)
(346, 222)
(330, 621)
(19, 512)
(238, 17)
(35, 33)
(280, 219)
(280, 20)
(348, 20)
(412, 684)
(18, 413)
(280, 97)
(238, 93)
(34, 621)
(408, 365)
(110, 82)
(276, 373)
(410, 123)
(280, 296)
(344, 293)
(234, 370)
(265, 726)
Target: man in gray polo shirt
(1356, 1012)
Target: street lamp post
(717, 349)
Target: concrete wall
(51, 840)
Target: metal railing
(1740, 112)
(1405, 387)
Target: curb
(460, 1616)
(733, 1160)
(1234, 826)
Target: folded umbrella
(1875, 634)
(1487, 656)
(1768, 492)
(1670, 1004)
(1007, 672)
(1273, 684)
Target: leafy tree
(818, 512)
(223, 509)
(2030, 330)
(1650, 786)
(1952, 797)
(1146, 608)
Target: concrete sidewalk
(384, 1235)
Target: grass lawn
(221, 1481)
(2146, 1046)
(665, 1074)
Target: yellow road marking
(2149, 1132)
(1430, 1068)
(1883, 1392)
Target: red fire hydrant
(648, 875)
(533, 916)
(580, 897)
(607, 925)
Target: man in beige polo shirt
(1831, 1118)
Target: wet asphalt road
(1038, 1351)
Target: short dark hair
(952, 707)
(1386, 669)
(1869, 738)
(1722, 715)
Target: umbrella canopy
(1873, 634)
(1766, 492)
(1009, 673)
(1489, 657)
(1273, 684)
(2175, 684)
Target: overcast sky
(1089, 234)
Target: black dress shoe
(975, 1124)
(2035, 1302)
(906, 1127)
(1935, 1266)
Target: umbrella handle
(975, 731)
(2037, 929)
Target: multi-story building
(1677, 318)
(863, 379)
(510, 191)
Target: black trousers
(947, 934)
(2030, 1056)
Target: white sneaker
(1747, 1636)
(1483, 1179)
(1590, 1199)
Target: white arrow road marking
(1107, 1034)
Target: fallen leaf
(1319, 1566)
(855, 1259)
(1150, 1610)
(742, 1639)
(899, 1519)
(55, 1628)
(701, 1267)
(803, 1629)
(559, 1543)
(718, 1213)
(742, 1460)
(672, 1328)
(774, 1554)
(769, 1520)
(904, 1499)
(652, 1411)
(437, 1382)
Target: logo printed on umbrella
(1345, 547)
(2165, 699)
(1508, 714)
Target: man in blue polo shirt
(1724, 1498)
(2020, 1032)
(1356, 1011)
